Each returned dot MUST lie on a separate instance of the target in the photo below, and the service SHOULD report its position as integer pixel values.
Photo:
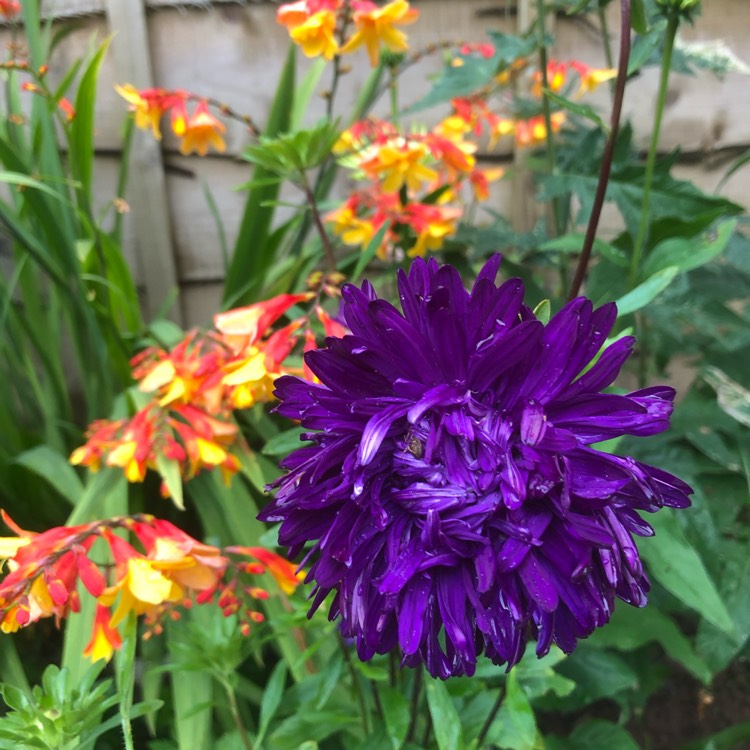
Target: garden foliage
(462, 473)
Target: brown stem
(324, 238)
(490, 717)
(609, 151)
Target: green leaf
(689, 253)
(271, 701)
(638, 18)
(595, 735)
(368, 253)
(582, 110)
(284, 443)
(630, 628)
(253, 253)
(475, 71)
(646, 292)
(543, 311)
(82, 126)
(733, 398)
(169, 471)
(676, 565)
(445, 720)
(54, 469)
(515, 725)
(397, 714)
(304, 93)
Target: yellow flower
(105, 639)
(316, 35)
(376, 27)
(201, 131)
(399, 164)
(353, 231)
(148, 104)
(142, 589)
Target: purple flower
(451, 491)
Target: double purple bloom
(451, 492)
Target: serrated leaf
(582, 110)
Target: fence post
(147, 192)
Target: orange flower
(201, 131)
(532, 132)
(312, 25)
(105, 639)
(10, 8)
(148, 104)
(591, 78)
(432, 224)
(283, 572)
(377, 26)
(399, 162)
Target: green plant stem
(666, 63)
(609, 150)
(606, 44)
(547, 112)
(234, 709)
(393, 88)
(490, 717)
(416, 694)
(355, 684)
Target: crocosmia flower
(452, 491)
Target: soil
(683, 711)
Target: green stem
(490, 717)
(661, 100)
(234, 709)
(604, 26)
(355, 684)
(547, 112)
(393, 88)
(416, 694)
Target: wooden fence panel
(234, 52)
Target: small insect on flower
(451, 492)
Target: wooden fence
(234, 51)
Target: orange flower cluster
(415, 188)
(172, 570)
(197, 131)
(320, 27)
(472, 114)
(195, 387)
(9, 8)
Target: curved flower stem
(337, 68)
(393, 88)
(490, 717)
(234, 709)
(547, 111)
(666, 63)
(609, 150)
(355, 684)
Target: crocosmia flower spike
(451, 493)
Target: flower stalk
(609, 151)
(666, 63)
